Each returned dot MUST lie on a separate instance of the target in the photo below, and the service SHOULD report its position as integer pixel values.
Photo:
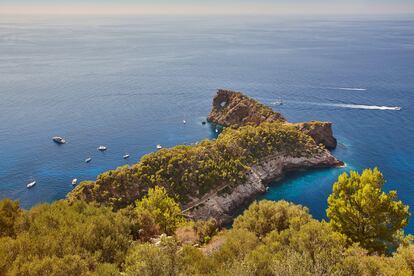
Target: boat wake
(347, 88)
(368, 107)
(354, 106)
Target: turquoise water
(128, 83)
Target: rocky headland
(216, 178)
(233, 109)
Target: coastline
(230, 171)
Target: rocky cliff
(222, 204)
(233, 109)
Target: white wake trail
(369, 107)
(345, 88)
(351, 89)
(353, 106)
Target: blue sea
(129, 82)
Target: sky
(307, 7)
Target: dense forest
(362, 236)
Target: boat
(88, 160)
(31, 184)
(217, 130)
(126, 156)
(74, 181)
(159, 147)
(184, 121)
(278, 102)
(59, 140)
(203, 122)
(102, 148)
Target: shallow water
(128, 83)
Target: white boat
(102, 148)
(126, 156)
(88, 160)
(59, 140)
(217, 130)
(74, 181)
(184, 121)
(278, 102)
(31, 184)
(159, 147)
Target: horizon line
(206, 9)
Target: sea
(128, 82)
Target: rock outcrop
(321, 132)
(222, 204)
(233, 109)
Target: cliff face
(222, 204)
(233, 109)
(321, 132)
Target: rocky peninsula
(233, 109)
(215, 178)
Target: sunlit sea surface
(129, 82)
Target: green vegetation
(63, 239)
(360, 209)
(263, 217)
(9, 214)
(305, 247)
(269, 238)
(161, 209)
(191, 171)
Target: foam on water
(352, 106)
(368, 107)
(350, 89)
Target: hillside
(215, 177)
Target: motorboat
(59, 140)
(74, 181)
(102, 148)
(126, 156)
(203, 122)
(31, 183)
(88, 160)
(159, 147)
(184, 121)
(278, 102)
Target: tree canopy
(269, 238)
(360, 209)
(161, 209)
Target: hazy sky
(208, 6)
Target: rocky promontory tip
(233, 109)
